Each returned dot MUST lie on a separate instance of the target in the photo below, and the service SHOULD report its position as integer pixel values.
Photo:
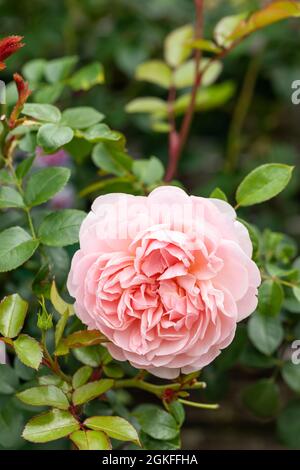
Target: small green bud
(44, 318)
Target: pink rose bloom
(166, 278)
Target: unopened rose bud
(22, 87)
(23, 94)
(44, 320)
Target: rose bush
(167, 295)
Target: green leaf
(44, 184)
(11, 424)
(291, 375)
(28, 351)
(89, 355)
(6, 177)
(217, 193)
(288, 425)
(158, 125)
(24, 167)
(263, 183)
(207, 98)
(42, 112)
(111, 159)
(9, 381)
(60, 327)
(81, 117)
(205, 45)
(154, 71)
(9, 197)
(16, 247)
(100, 133)
(184, 76)
(271, 241)
(23, 372)
(49, 93)
(225, 28)
(28, 142)
(265, 332)
(146, 105)
(87, 77)
(55, 380)
(91, 390)
(60, 69)
(270, 298)
(262, 398)
(13, 310)
(11, 94)
(106, 358)
(34, 70)
(59, 263)
(50, 380)
(148, 171)
(271, 13)
(81, 376)
(61, 349)
(90, 440)
(61, 228)
(155, 444)
(211, 73)
(177, 410)
(58, 302)
(53, 136)
(176, 48)
(50, 426)
(113, 370)
(79, 148)
(291, 305)
(113, 426)
(287, 250)
(156, 422)
(83, 338)
(45, 395)
(296, 292)
(250, 357)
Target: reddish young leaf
(23, 94)
(9, 46)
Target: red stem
(173, 134)
(177, 141)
